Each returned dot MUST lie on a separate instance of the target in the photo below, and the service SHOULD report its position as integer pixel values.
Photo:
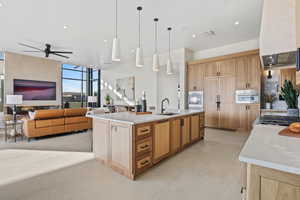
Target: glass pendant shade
(169, 66)
(116, 52)
(139, 62)
(155, 66)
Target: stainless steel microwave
(196, 99)
(246, 96)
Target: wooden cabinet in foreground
(131, 149)
(268, 184)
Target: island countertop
(266, 148)
(132, 118)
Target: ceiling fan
(47, 51)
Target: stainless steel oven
(246, 96)
(196, 99)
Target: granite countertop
(132, 118)
(266, 148)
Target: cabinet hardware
(145, 162)
(145, 146)
(181, 122)
(144, 130)
(195, 87)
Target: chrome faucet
(162, 104)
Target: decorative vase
(293, 112)
(268, 106)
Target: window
(1, 56)
(78, 83)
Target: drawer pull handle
(145, 146)
(145, 162)
(144, 130)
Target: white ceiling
(90, 22)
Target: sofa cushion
(49, 114)
(75, 120)
(72, 112)
(49, 122)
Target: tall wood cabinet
(219, 78)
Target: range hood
(278, 33)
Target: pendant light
(155, 66)
(169, 61)
(116, 52)
(139, 51)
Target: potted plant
(290, 95)
(269, 99)
(107, 99)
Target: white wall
(228, 49)
(32, 68)
(278, 27)
(298, 22)
(156, 85)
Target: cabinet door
(288, 74)
(196, 77)
(195, 127)
(242, 116)
(211, 91)
(211, 69)
(161, 140)
(121, 146)
(276, 190)
(227, 67)
(175, 135)
(241, 73)
(185, 132)
(253, 113)
(254, 72)
(227, 105)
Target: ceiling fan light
(169, 67)
(139, 57)
(116, 51)
(155, 66)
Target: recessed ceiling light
(237, 23)
(194, 35)
(65, 26)
(1, 4)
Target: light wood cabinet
(185, 131)
(195, 128)
(268, 184)
(222, 77)
(227, 67)
(121, 146)
(288, 74)
(247, 114)
(175, 135)
(161, 140)
(196, 77)
(254, 72)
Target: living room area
(44, 103)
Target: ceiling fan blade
(63, 52)
(25, 45)
(32, 51)
(60, 55)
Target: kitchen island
(272, 164)
(131, 143)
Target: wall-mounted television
(35, 90)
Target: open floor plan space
(150, 100)
(205, 169)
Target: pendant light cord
(139, 29)
(169, 29)
(116, 18)
(155, 36)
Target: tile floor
(208, 170)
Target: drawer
(143, 131)
(144, 146)
(202, 120)
(143, 162)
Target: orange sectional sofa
(56, 121)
